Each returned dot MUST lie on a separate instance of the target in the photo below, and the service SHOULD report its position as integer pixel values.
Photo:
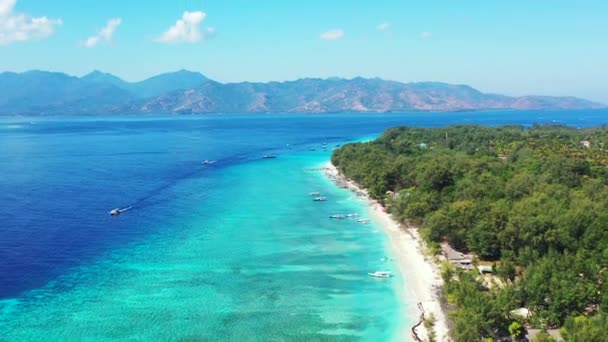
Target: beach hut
(457, 258)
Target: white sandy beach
(420, 272)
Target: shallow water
(233, 250)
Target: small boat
(209, 162)
(337, 216)
(117, 211)
(352, 215)
(315, 194)
(320, 199)
(269, 156)
(380, 274)
(363, 221)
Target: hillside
(340, 95)
(185, 92)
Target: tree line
(533, 201)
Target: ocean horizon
(234, 248)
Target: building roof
(485, 269)
(452, 254)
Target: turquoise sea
(234, 250)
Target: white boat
(117, 211)
(315, 194)
(381, 274)
(352, 215)
(337, 216)
(320, 199)
(209, 162)
(269, 156)
(363, 221)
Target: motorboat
(337, 216)
(118, 211)
(315, 194)
(209, 162)
(363, 221)
(381, 274)
(269, 156)
(352, 215)
(320, 199)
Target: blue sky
(515, 47)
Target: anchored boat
(381, 274)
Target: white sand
(422, 279)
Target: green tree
(583, 329)
(516, 330)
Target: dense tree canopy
(532, 200)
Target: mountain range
(187, 92)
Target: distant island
(517, 216)
(186, 92)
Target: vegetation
(429, 327)
(531, 201)
(582, 328)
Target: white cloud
(6, 6)
(105, 34)
(426, 35)
(16, 27)
(187, 29)
(384, 26)
(334, 34)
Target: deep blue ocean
(234, 249)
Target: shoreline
(421, 273)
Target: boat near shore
(381, 274)
(320, 199)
